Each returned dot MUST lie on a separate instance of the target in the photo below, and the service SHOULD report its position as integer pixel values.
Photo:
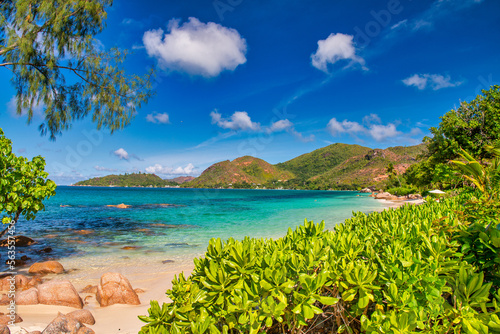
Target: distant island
(134, 180)
(334, 167)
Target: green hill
(322, 160)
(337, 166)
(127, 180)
(368, 169)
(241, 172)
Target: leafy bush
(402, 191)
(390, 272)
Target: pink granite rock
(116, 289)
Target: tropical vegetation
(414, 269)
(58, 66)
(24, 185)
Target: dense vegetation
(24, 185)
(127, 180)
(322, 160)
(472, 126)
(428, 269)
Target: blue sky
(274, 79)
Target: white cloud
(337, 128)
(372, 118)
(286, 125)
(416, 80)
(379, 132)
(281, 125)
(434, 81)
(333, 49)
(400, 24)
(165, 170)
(238, 121)
(158, 118)
(122, 154)
(196, 48)
(301, 137)
(12, 109)
(104, 169)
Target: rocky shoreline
(35, 289)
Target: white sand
(153, 279)
(397, 204)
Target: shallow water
(172, 224)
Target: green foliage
(486, 178)
(127, 180)
(58, 65)
(472, 126)
(398, 271)
(481, 240)
(402, 191)
(23, 184)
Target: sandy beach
(112, 319)
(397, 204)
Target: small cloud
(281, 125)
(12, 109)
(158, 118)
(104, 169)
(286, 125)
(400, 24)
(337, 128)
(415, 132)
(138, 47)
(372, 118)
(238, 121)
(335, 48)
(421, 24)
(21, 150)
(301, 137)
(131, 23)
(196, 48)
(379, 132)
(164, 170)
(122, 154)
(434, 81)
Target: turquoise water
(184, 226)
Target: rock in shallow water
(20, 241)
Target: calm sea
(173, 224)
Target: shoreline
(393, 204)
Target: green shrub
(402, 191)
(398, 271)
